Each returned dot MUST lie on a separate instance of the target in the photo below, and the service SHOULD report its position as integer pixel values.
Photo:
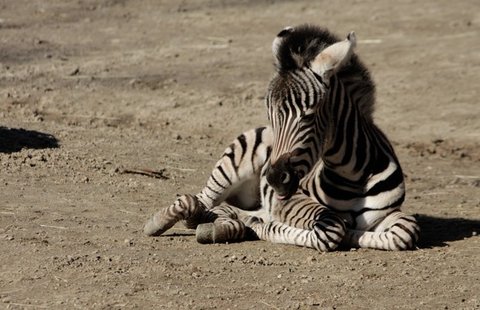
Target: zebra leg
(186, 207)
(235, 178)
(397, 231)
(303, 222)
(226, 227)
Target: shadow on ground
(16, 139)
(436, 231)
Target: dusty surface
(88, 88)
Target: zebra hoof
(205, 233)
(152, 229)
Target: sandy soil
(89, 88)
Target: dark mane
(300, 47)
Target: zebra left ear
(331, 59)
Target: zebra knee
(329, 232)
(403, 237)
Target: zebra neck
(348, 147)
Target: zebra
(321, 175)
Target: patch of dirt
(91, 88)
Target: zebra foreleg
(187, 208)
(235, 178)
(396, 232)
(325, 235)
(236, 175)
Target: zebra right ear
(331, 59)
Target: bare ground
(89, 88)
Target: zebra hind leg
(217, 225)
(396, 232)
(187, 208)
(226, 227)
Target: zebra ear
(278, 40)
(331, 59)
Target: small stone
(75, 71)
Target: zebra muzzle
(283, 178)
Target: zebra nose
(282, 177)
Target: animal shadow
(436, 231)
(16, 139)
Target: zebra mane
(299, 46)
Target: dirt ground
(90, 88)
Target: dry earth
(88, 88)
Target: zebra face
(295, 100)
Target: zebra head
(306, 58)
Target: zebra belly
(246, 195)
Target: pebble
(75, 71)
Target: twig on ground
(181, 169)
(51, 226)
(146, 172)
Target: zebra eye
(285, 177)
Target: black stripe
(286, 210)
(335, 178)
(361, 149)
(264, 190)
(243, 144)
(395, 204)
(393, 181)
(316, 230)
(220, 168)
(348, 140)
(405, 229)
(395, 234)
(216, 182)
(337, 193)
(211, 198)
(269, 151)
(258, 140)
(339, 133)
(211, 189)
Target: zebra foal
(322, 174)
